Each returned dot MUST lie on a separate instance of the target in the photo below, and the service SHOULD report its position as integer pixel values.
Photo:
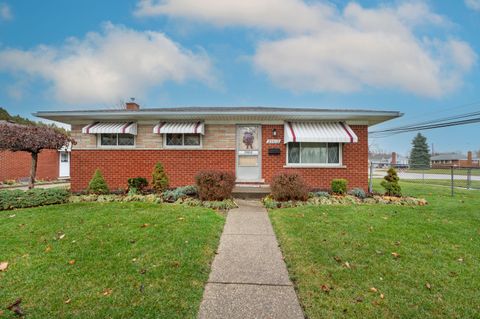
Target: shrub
(137, 185)
(179, 192)
(10, 199)
(390, 183)
(358, 192)
(159, 178)
(214, 185)
(339, 186)
(289, 186)
(320, 194)
(97, 184)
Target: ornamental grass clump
(97, 184)
(288, 187)
(390, 183)
(159, 178)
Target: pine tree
(97, 184)
(420, 154)
(160, 178)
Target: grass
(439, 246)
(446, 182)
(131, 260)
(445, 171)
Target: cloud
(473, 4)
(108, 66)
(269, 14)
(5, 12)
(323, 49)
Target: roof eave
(372, 117)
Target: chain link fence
(454, 177)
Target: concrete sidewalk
(249, 278)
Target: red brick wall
(16, 165)
(119, 165)
(355, 158)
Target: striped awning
(323, 132)
(108, 127)
(179, 127)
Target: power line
(453, 120)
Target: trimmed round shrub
(97, 184)
(339, 186)
(289, 186)
(214, 185)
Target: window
(314, 153)
(182, 140)
(117, 140)
(64, 157)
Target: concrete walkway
(249, 278)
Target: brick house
(254, 143)
(51, 165)
(454, 159)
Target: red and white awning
(109, 128)
(179, 128)
(323, 132)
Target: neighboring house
(51, 165)
(382, 160)
(255, 143)
(454, 159)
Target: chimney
(469, 158)
(132, 106)
(394, 158)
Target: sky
(417, 57)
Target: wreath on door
(248, 139)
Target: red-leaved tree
(32, 139)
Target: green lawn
(446, 171)
(446, 182)
(438, 245)
(129, 260)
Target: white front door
(64, 164)
(249, 159)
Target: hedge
(11, 199)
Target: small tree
(390, 183)
(97, 184)
(31, 139)
(420, 154)
(159, 178)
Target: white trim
(115, 147)
(181, 147)
(319, 165)
(152, 149)
(314, 166)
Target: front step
(251, 190)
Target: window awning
(323, 132)
(179, 128)
(108, 127)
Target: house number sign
(273, 141)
